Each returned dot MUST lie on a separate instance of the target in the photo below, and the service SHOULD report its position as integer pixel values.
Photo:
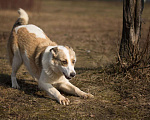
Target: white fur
(32, 29)
(23, 15)
(17, 61)
(47, 57)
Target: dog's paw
(14, 83)
(87, 95)
(16, 86)
(64, 101)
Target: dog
(50, 64)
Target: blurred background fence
(25, 4)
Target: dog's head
(64, 58)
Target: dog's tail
(23, 18)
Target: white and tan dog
(47, 62)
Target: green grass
(92, 28)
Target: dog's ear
(54, 51)
(69, 48)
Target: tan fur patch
(72, 54)
(60, 58)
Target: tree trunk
(131, 33)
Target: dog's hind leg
(16, 63)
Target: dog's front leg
(71, 89)
(52, 91)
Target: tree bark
(131, 33)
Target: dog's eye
(64, 62)
(73, 61)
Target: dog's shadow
(28, 88)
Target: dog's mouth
(66, 76)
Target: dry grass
(92, 29)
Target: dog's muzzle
(70, 76)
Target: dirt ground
(93, 29)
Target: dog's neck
(52, 77)
(51, 72)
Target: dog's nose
(72, 74)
